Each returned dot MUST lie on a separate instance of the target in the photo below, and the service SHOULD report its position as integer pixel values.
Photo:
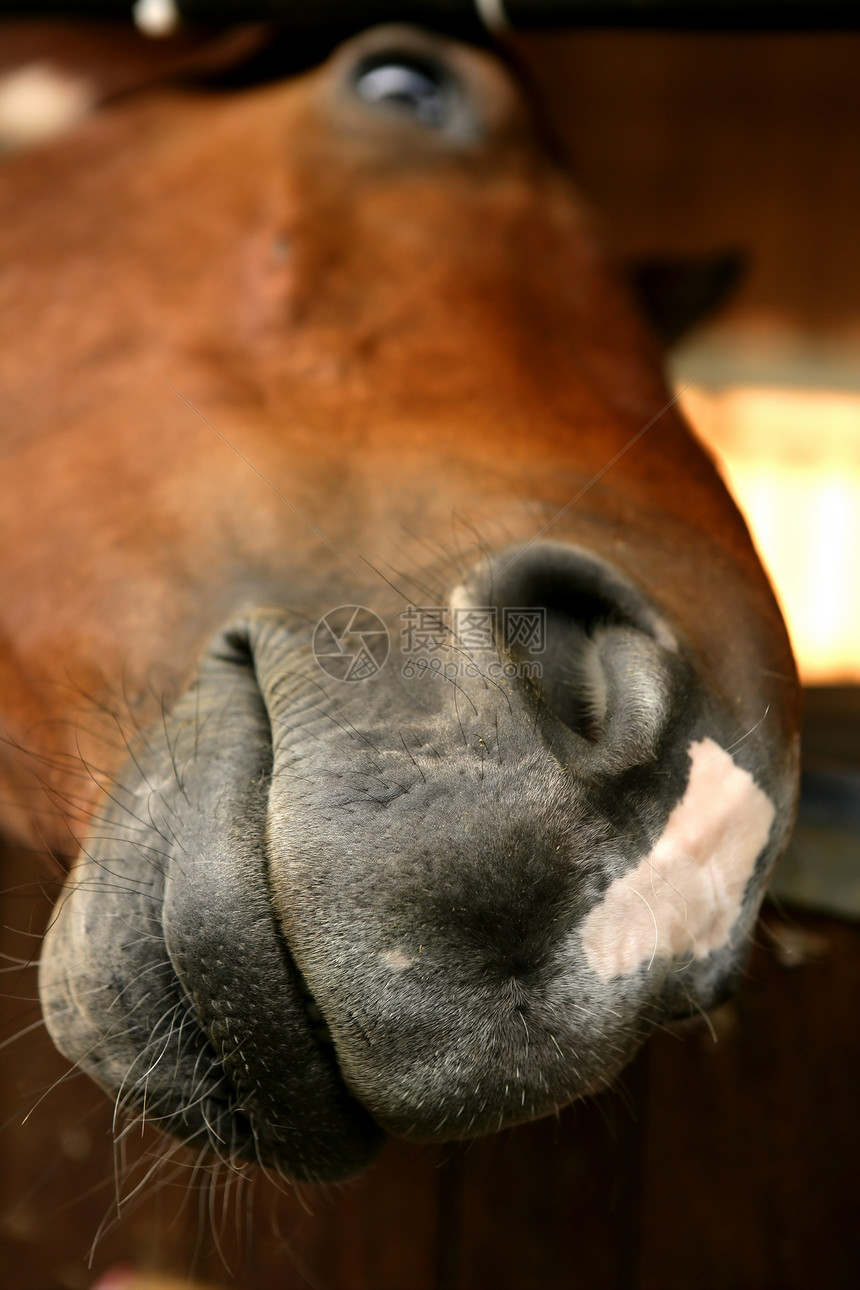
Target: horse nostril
(592, 646)
(407, 84)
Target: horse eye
(404, 85)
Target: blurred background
(695, 145)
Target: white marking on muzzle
(398, 960)
(686, 895)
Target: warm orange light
(792, 460)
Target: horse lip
(318, 1024)
(256, 1138)
(222, 931)
(165, 973)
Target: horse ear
(676, 294)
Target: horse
(379, 645)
